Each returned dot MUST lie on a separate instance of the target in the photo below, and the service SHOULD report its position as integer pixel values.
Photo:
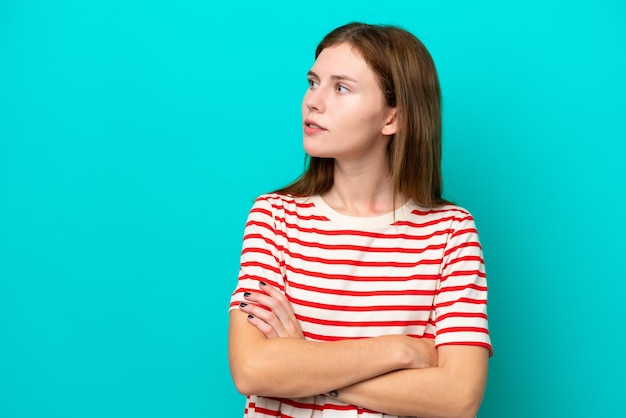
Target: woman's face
(343, 111)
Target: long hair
(408, 78)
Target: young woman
(361, 291)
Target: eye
(313, 84)
(342, 89)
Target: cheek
(374, 116)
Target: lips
(311, 127)
(311, 124)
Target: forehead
(342, 59)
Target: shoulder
(449, 212)
(285, 212)
(450, 221)
(278, 201)
(283, 205)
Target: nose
(314, 100)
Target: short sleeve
(460, 306)
(261, 259)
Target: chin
(314, 151)
(318, 154)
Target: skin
(444, 382)
(345, 98)
(394, 374)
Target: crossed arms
(393, 374)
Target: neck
(362, 190)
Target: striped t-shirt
(416, 271)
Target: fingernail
(246, 294)
(250, 317)
(263, 283)
(243, 305)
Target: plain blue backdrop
(134, 136)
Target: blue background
(134, 136)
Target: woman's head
(344, 111)
(408, 79)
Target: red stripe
(362, 248)
(464, 273)
(462, 329)
(268, 213)
(462, 300)
(318, 337)
(262, 265)
(445, 209)
(460, 232)
(263, 211)
(431, 222)
(312, 406)
(465, 258)
(362, 278)
(261, 237)
(270, 413)
(411, 292)
(348, 232)
(473, 344)
(348, 308)
(462, 315)
(261, 224)
(468, 286)
(363, 263)
(340, 246)
(464, 245)
(259, 279)
(284, 199)
(361, 323)
(306, 217)
(256, 250)
(352, 232)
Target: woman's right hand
(271, 313)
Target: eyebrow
(338, 77)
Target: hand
(278, 320)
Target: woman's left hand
(271, 313)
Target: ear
(391, 124)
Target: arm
(453, 389)
(294, 367)
(456, 386)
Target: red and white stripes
(416, 271)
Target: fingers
(260, 313)
(262, 326)
(272, 307)
(273, 292)
(281, 307)
(273, 300)
(261, 318)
